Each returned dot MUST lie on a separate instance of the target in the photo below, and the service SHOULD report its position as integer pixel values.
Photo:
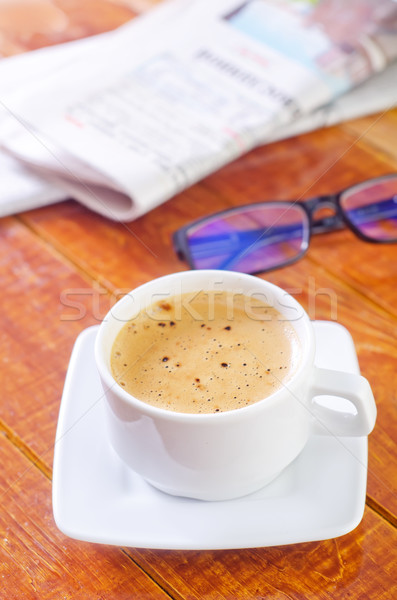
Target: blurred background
(30, 24)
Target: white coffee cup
(225, 455)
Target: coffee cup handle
(349, 386)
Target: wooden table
(49, 252)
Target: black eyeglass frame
(326, 224)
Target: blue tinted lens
(372, 208)
(250, 239)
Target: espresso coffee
(205, 352)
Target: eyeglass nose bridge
(327, 223)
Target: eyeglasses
(263, 236)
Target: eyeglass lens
(250, 239)
(371, 207)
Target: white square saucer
(97, 498)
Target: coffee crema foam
(205, 352)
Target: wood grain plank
(378, 132)
(116, 255)
(38, 562)
(39, 322)
(358, 565)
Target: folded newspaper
(125, 120)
